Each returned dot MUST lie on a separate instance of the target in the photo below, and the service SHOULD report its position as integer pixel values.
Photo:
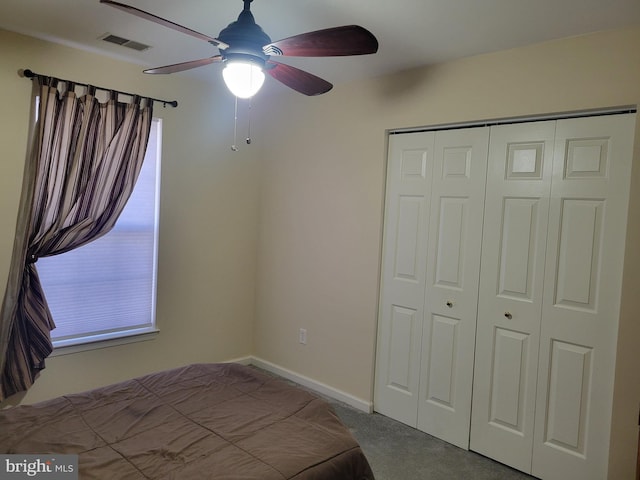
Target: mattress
(202, 421)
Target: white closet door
(409, 171)
(453, 268)
(583, 278)
(511, 288)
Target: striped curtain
(84, 159)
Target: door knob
(508, 315)
(449, 303)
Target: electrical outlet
(302, 336)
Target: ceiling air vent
(125, 42)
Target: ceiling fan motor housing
(245, 39)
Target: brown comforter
(204, 421)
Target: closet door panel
(400, 324)
(583, 281)
(510, 295)
(509, 379)
(518, 247)
(453, 266)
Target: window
(107, 288)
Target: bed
(202, 421)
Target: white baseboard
(319, 387)
(240, 360)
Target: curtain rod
(30, 74)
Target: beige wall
(208, 217)
(322, 200)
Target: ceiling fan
(246, 51)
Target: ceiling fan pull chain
(234, 148)
(248, 140)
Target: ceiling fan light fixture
(244, 79)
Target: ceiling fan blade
(331, 42)
(166, 23)
(180, 67)
(299, 80)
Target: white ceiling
(410, 32)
